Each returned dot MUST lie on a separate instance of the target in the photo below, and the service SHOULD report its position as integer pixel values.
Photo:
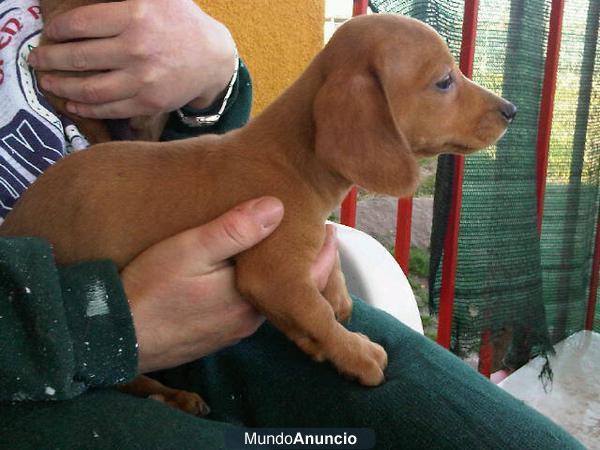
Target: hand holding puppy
(182, 290)
(144, 57)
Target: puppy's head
(392, 93)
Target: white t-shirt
(32, 136)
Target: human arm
(61, 329)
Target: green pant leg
(431, 399)
(105, 419)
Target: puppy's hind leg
(189, 402)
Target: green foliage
(418, 263)
(427, 187)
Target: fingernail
(267, 211)
(32, 59)
(71, 108)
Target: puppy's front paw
(361, 359)
(374, 361)
(188, 402)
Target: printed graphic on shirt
(26, 150)
(32, 135)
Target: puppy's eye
(445, 84)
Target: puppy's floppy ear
(357, 137)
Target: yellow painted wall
(276, 38)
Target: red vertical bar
(403, 224)
(591, 306)
(547, 104)
(359, 7)
(449, 262)
(469, 35)
(467, 54)
(348, 210)
(485, 354)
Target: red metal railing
(360, 7)
(348, 209)
(467, 54)
(403, 224)
(547, 104)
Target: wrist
(218, 84)
(195, 117)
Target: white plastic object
(374, 275)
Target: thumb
(204, 248)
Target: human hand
(182, 290)
(143, 57)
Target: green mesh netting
(571, 199)
(509, 281)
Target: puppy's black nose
(508, 111)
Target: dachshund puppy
(384, 92)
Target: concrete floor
(573, 400)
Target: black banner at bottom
(299, 438)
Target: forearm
(61, 330)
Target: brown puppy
(382, 93)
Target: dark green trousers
(431, 400)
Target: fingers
(325, 262)
(91, 54)
(82, 22)
(103, 87)
(205, 248)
